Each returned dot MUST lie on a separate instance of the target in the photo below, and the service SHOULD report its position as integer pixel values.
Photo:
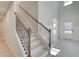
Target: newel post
(49, 41)
(29, 43)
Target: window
(68, 28)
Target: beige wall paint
(32, 8)
(9, 31)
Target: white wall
(69, 14)
(32, 8)
(47, 11)
(9, 31)
(68, 48)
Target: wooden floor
(5, 51)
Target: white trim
(22, 49)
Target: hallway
(5, 51)
(34, 29)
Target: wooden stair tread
(5, 51)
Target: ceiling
(4, 6)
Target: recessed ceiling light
(67, 3)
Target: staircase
(38, 48)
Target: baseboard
(68, 39)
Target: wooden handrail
(33, 18)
